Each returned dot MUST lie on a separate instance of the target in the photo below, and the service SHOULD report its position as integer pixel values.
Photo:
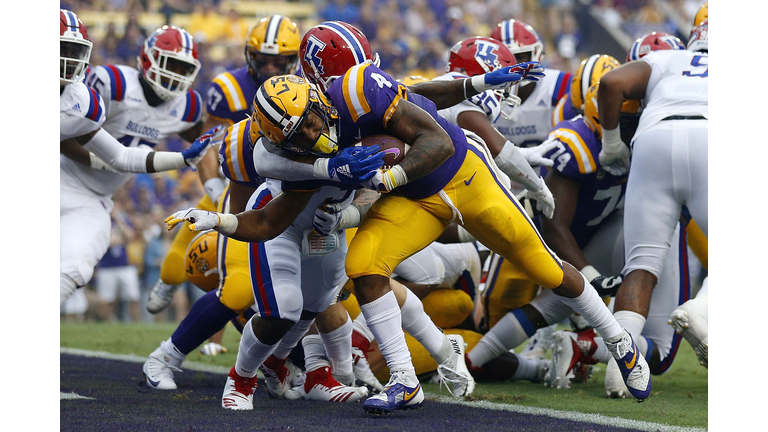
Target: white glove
(545, 202)
(614, 156)
(202, 220)
(535, 155)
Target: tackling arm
(628, 81)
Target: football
(393, 148)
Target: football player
(669, 166)
(445, 176)
(86, 193)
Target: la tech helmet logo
(486, 53)
(314, 47)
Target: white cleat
(321, 385)
(238, 392)
(158, 370)
(614, 383)
(453, 372)
(363, 371)
(632, 365)
(570, 357)
(277, 380)
(690, 321)
(160, 296)
(539, 344)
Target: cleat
(690, 321)
(453, 371)
(212, 349)
(363, 374)
(320, 385)
(539, 344)
(634, 369)
(294, 373)
(542, 369)
(238, 392)
(614, 382)
(276, 379)
(160, 296)
(158, 370)
(402, 392)
(571, 353)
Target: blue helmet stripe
(351, 39)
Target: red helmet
(478, 55)
(329, 49)
(169, 61)
(520, 38)
(75, 48)
(699, 40)
(653, 42)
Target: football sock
(592, 308)
(526, 370)
(67, 287)
(251, 353)
(488, 348)
(418, 324)
(507, 334)
(292, 338)
(206, 317)
(633, 322)
(383, 318)
(338, 345)
(314, 353)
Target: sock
(251, 353)
(383, 318)
(526, 370)
(292, 338)
(67, 287)
(207, 316)
(488, 348)
(419, 325)
(601, 354)
(592, 308)
(314, 353)
(634, 323)
(338, 345)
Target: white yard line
(567, 415)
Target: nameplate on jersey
(318, 244)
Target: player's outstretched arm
(252, 225)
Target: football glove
(197, 150)
(201, 220)
(385, 180)
(614, 156)
(327, 219)
(607, 286)
(351, 165)
(503, 78)
(535, 155)
(545, 202)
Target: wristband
(167, 161)
(213, 188)
(478, 82)
(590, 273)
(320, 169)
(227, 223)
(350, 218)
(612, 139)
(394, 177)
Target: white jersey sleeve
(81, 111)
(486, 102)
(678, 85)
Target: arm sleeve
(512, 162)
(278, 167)
(116, 155)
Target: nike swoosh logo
(467, 182)
(409, 396)
(631, 364)
(395, 151)
(154, 383)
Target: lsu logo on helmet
(201, 263)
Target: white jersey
(532, 120)
(325, 195)
(678, 85)
(132, 121)
(81, 111)
(486, 102)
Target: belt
(679, 117)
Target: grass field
(678, 398)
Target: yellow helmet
(629, 113)
(201, 262)
(702, 15)
(589, 72)
(281, 106)
(274, 39)
(411, 80)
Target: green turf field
(678, 398)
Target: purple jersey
(600, 193)
(366, 97)
(230, 96)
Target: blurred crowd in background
(411, 36)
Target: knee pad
(448, 307)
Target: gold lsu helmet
(702, 15)
(275, 39)
(201, 263)
(280, 108)
(411, 80)
(589, 73)
(629, 113)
